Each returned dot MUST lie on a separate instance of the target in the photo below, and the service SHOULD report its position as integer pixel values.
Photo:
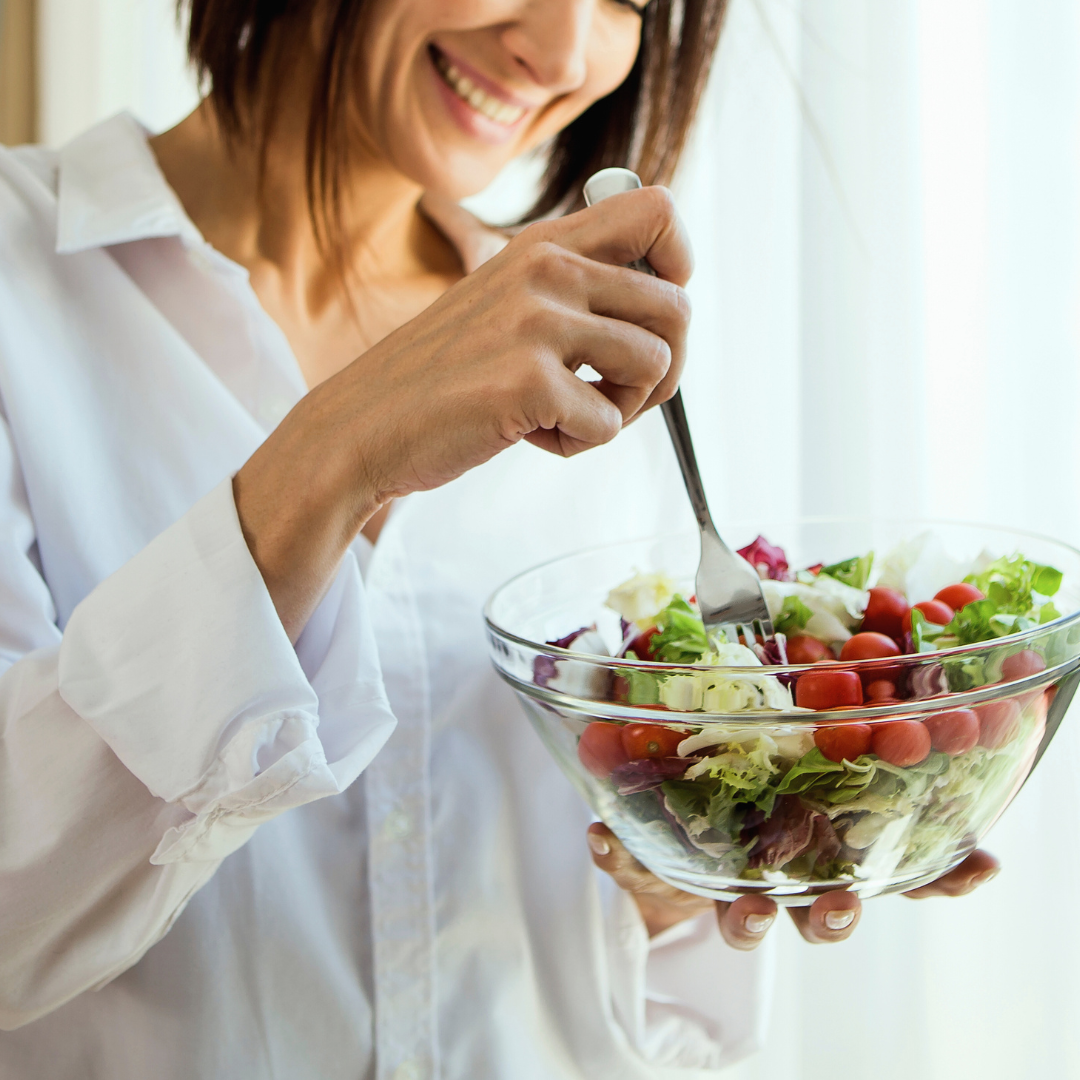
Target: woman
(204, 563)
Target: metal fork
(729, 592)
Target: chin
(452, 171)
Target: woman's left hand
(832, 917)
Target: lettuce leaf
(681, 635)
(1014, 589)
(746, 772)
(868, 783)
(854, 571)
(794, 615)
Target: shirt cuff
(181, 665)
(688, 1002)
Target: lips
(489, 106)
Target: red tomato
(999, 723)
(839, 741)
(954, 732)
(959, 595)
(885, 612)
(826, 689)
(601, 749)
(651, 741)
(901, 742)
(881, 690)
(642, 644)
(935, 611)
(1022, 664)
(869, 645)
(804, 649)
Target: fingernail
(839, 920)
(599, 844)
(984, 877)
(757, 924)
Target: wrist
(300, 504)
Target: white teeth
(468, 91)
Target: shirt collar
(111, 190)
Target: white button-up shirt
(222, 856)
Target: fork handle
(612, 182)
(679, 430)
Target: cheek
(612, 52)
(611, 56)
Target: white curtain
(884, 203)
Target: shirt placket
(398, 789)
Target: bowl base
(803, 894)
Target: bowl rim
(781, 669)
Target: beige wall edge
(18, 78)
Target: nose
(550, 40)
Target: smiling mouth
(499, 112)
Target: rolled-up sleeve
(151, 739)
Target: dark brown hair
(238, 46)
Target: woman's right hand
(488, 364)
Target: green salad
(787, 801)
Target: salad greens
(854, 572)
(680, 637)
(1016, 597)
(770, 802)
(793, 617)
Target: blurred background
(884, 203)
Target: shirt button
(397, 825)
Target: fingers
(832, 917)
(633, 225)
(744, 922)
(661, 904)
(653, 305)
(631, 361)
(977, 869)
(565, 415)
(611, 857)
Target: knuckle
(547, 263)
(532, 323)
(682, 305)
(661, 202)
(661, 360)
(537, 232)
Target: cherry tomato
(881, 690)
(601, 749)
(958, 595)
(1022, 664)
(901, 742)
(839, 741)
(642, 644)
(935, 611)
(826, 689)
(804, 649)
(885, 612)
(869, 645)
(954, 732)
(651, 741)
(999, 723)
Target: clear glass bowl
(881, 828)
